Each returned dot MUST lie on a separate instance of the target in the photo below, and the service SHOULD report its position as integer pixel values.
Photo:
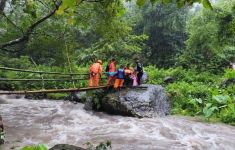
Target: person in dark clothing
(128, 73)
(139, 69)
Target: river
(55, 122)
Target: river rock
(168, 79)
(1, 131)
(143, 101)
(36, 96)
(1, 124)
(227, 82)
(76, 97)
(66, 147)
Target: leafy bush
(229, 73)
(198, 93)
(35, 147)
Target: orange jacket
(96, 68)
(128, 71)
(112, 67)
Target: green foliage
(56, 96)
(209, 110)
(197, 93)
(210, 45)
(35, 147)
(180, 3)
(24, 63)
(229, 74)
(166, 32)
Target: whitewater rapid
(55, 122)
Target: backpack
(120, 74)
(107, 68)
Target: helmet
(99, 61)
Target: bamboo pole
(74, 79)
(51, 90)
(41, 72)
(62, 90)
(69, 64)
(41, 75)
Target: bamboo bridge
(69, 78)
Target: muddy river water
(55, 122)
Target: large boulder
(66, 147)
(142, 101)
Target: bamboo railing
(49, 80)
(67, 79)
(41, 72)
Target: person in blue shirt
(120, 75)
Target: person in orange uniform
(95, 72)
(112, 71)
(120, 78)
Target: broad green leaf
(208, 110)
(69, 3)
(71, 21)
(180, 3)
(206, 4)
(28, 148)
(60, 11)
(222, 99)
(199, 100)
(41, 147)
(140, 2)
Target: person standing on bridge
(111, 71)
(120, 78)
(139, 69)
(95, 73)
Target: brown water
(52, 122)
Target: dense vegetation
(194, 45)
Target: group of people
(125, 75)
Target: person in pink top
(134, 78)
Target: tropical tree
(211, 38)
(34, 11)
(165, 26)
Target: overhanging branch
(29, 31)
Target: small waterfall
(53, 122)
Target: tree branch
(93, 0)
(7, 50)
(11, 22)
(29, 31)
